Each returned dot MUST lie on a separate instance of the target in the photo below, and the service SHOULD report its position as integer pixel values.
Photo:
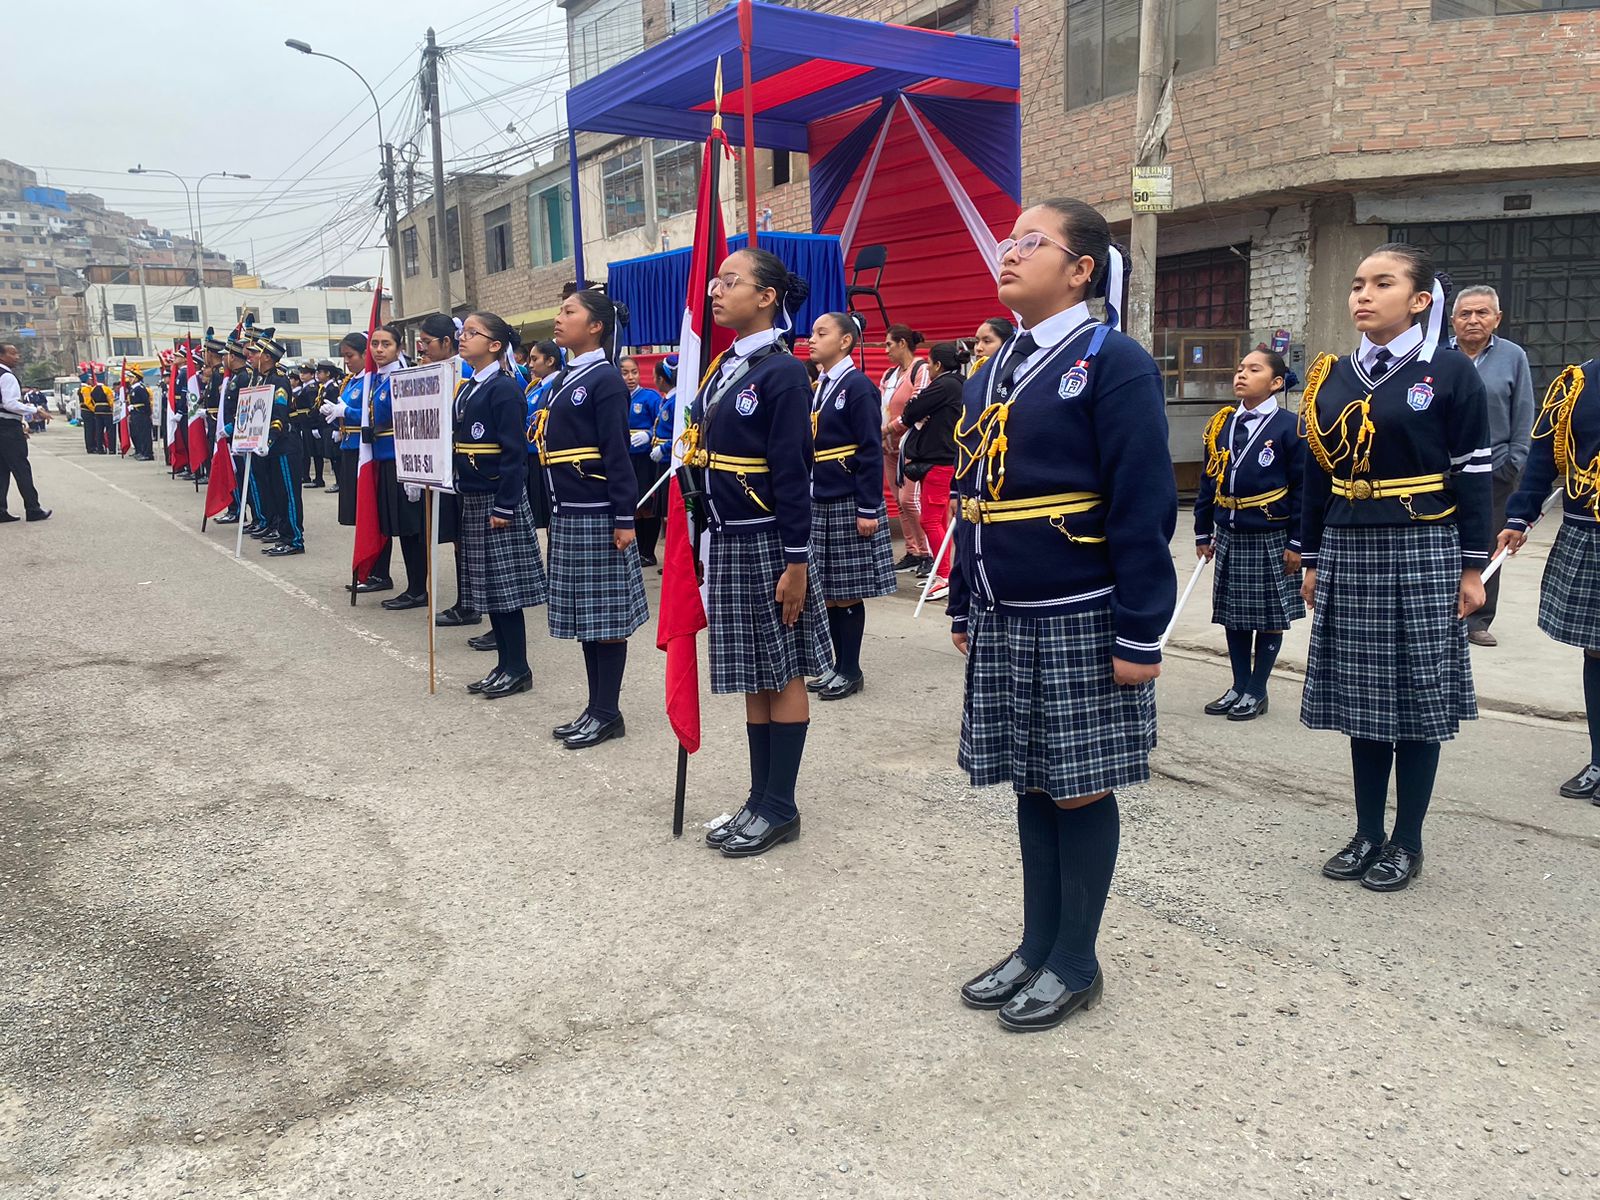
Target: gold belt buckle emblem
(1360, 489)
(969, 510)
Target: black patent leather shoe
(1046, 1002)
(227, 519)
(38, 514)
(1583, 785)
(759, 835)
(484, 641)
(842, 687)
(283, 550)
(7, 518)
(508, 685)
(488, 680)
(1248, 708)
(271, 535)
(571, 727)
(822, 681)
(1394, 869)
(374, 583)
(593, 731)
(456, 615)
(1352, 862)
(1223, 704)
(254, 531)
(718, 837)
(404, 601)
(998, 984)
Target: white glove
(332, 410)
(658, 454)
(413, 491)
(638, 438)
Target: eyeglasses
(1027, 245)
(467, 333)
(724, 283)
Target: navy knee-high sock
(511, 637)
(1369, 766)
(1041, 876)
(1415, 765)
(760, 738)
(1591, 702)
(787, 741)
(1088, 838)
(591, 673)
(1239, 657)
(1267, 646)
(847, 625)
(610, 661)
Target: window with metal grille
(677, 178)
(1102, 40)
(186, 313)
(497, 240)
(286, 316)
(622, 188)
(124, 312)
(1202, 321)
(408, 252)
(550, 225)
(1453, 10)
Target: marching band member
(399, 505)
(238, 379)
(140, 411)
(1247, 522)
(326, 393)
(282, 465)
(596, 595)
(749, 430)
(849, 527)
(1062, 585)
(437, 342)
(504, 572)
(212, 348)
(644, 406)
(1395, 536)
(1566, 449)
(346, 413)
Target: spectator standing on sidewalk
(903, 497)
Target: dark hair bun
(963, 356)
(795, 292)
(917, 339)
(622, 313)
(1290, 380)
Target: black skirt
(397, 516)
(450, 505)
(538, 494)
(645, 473)
(348, 462)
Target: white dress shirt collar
(1401, 346)
(751, 342)
(1056, 326)
(587, 358)
(1265, 409)
(839, 370)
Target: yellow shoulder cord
(1217, 460)
(540, 420)
(688, 448)
(990, 428)
(1360, 451)
(1554, 421)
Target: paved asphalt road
(275, 923)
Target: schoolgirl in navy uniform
(749, 429)
(1395, 536)
(1247, 520)
(544, 367)
(1061, 588)
(644, 404)
(504, 572)
(596, 595)
(1566, 450)
(849, 524)
(437, 342)
(399, 505)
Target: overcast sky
(195, 88)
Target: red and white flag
(369, 541)
(220, 482)
(124, 434)
(177, 442)
(196, 436)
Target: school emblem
(1073, 382)
(580, 395)
(1266, 456)
(746, 402)
(477, 429)
(839, 403)
(1420, 395)
(638, 408)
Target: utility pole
(1149, 151)
(105, 327)
(442, 237)
(411, 184)
(396, 287)
(144, 304)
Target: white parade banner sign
(421, 398)
(252, 423)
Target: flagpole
(949, 536)
(244, 490)
(1499, 560)
(430, 518)
(746, 36)
(1184, 599)
(654, 488)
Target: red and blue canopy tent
(913, 137)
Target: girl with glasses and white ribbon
(749, 431)
(1061, 587)
(1395, 535)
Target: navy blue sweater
(765, 414)
(1572, 425)
(1428, 418)
(492, 413)
(848, 413)
(588, 410)
(1273, 460)
(1076, 424)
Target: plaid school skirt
(751, 649)
(596, 594)
(1569, 598)
(1043, 711)
(1388, 658)
(849, 566)
(1248, 587)
(504, 570)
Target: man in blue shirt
(1503, 367)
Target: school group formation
(1372, 504)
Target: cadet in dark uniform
(399, 504)
(436, 343)
(1395, 537)
(16, 413)
(644, 404)
(301, 413)
(282, 465)
(849, 527)
(596, 595)
(237, 378)
(504, 572)
(140, 410)
(1566, 450)
(748, 430)
(1061, 587)
(213, 384)
(1247, 519)
(326, 393)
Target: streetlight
(197, 231)
(384, 158)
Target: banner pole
(1183, 600)
(949, 536)
(244, 490)
(430, 522)
(677, 798)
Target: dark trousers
(90, 424)
(139, 431)
(105, 433)
(267, 486)
(14, 464)
(290, 469)
(315, 440)
(1504, 489)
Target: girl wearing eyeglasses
(1061, 588)
(436, 343)
(596, 595)
(749, 431)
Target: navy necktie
(1021, 350)
(1380, 362)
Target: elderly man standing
(1503, 367)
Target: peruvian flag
(177, 452)
(682, 608)
(369, 541)
(197, 412)
(220, 483)
(124, 434)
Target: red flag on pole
(221, 481)
(177, 450)
(196, 433)
(369, 542)
(124, 434)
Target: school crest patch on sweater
(746, 402)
